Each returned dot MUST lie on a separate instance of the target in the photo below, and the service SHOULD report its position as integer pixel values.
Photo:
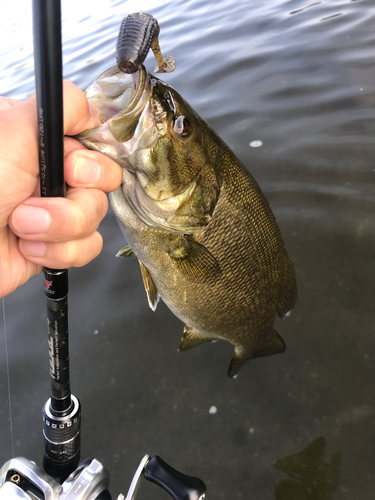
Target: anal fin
(151, 290)
(192, 338)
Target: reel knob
(178, 485)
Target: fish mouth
(120, 99)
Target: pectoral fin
(125, 252)
(151, 290)
(193, 338)
(193, 260)
(275, 346)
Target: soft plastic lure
(138, 33)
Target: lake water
(300, 78)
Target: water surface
(299, 77)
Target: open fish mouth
(121, 99)
(115, 92)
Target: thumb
(79, 115)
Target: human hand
(52, 232)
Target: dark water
(299, 77)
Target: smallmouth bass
(203, 232)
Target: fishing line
(7, 364)
(8, 378)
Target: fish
(206, 239)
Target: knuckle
(102, 204)
(88, 208)
(81, 252)
(78, 222)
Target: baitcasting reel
(21, 479)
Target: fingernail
(86, 171)
(33, 248)
(31, 220)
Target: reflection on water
(297, 76)
(311, 477)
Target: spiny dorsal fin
(151, 290)
(194, 261)
(193, 338)
(125, 252)
(289, 292)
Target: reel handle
(178, 485)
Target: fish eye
(181, 125)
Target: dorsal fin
(289, 293)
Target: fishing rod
(62, 477)
(61, 413)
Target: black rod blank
(48, 83)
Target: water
(299, 77)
